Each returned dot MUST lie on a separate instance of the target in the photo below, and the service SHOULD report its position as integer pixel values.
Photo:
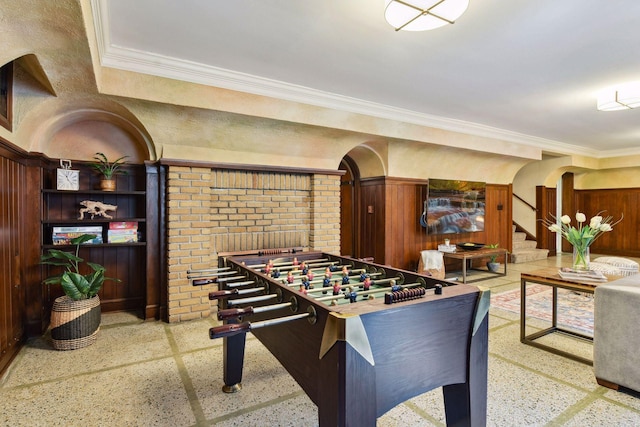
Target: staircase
(524, 250)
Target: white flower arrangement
(583, 235)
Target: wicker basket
(74, 324)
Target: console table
(466, 256)
(550, 277)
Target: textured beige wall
(181, 120)
(608, 178)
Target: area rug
(575, 310)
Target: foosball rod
(250, 300)
(365, 293)
(238, 284)
(316, 266)
(283, 263)
(203, 274)
(319, 271)
(320, 279)
(228, 279)
(230, 313)
(225, 281)
(329, 288)
(233, 292)
(202, 270)
(231, 329)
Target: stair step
(527, 255)
(519, 236)
(523, 250)
(524, 244)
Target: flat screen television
(454, 207)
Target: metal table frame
(550, 277)
(467, 256)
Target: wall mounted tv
(454, 206)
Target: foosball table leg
(233, 362)
(466, 403)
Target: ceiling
(521, 70)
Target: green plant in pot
(75, 317)
(493, 265)
(108, 169)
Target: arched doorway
(349, 195)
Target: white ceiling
(523, 70)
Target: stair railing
(533, 208)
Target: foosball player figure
(275, 273)
(295, 261)
(367, 283)
(290, 277)
(304, 268)
(327, 272)
(305, 282)
(352, 295)
(302, 290)
(345, 276)
(310, 275)
(394, 287)
(363, 276)
(268, 267)
(326, 282)
(336, 288)
(333, 267)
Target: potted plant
(75, 317)
(493, 265)
(108, 170)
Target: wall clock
(67, 178)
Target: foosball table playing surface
(358, 337)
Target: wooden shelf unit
(124, 261)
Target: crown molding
(149, 63)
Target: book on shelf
(590, 275)
(128, 235)
(123, 225)
(63, 235)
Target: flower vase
(581, 259)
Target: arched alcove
(79, 134)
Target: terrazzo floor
(158, 374)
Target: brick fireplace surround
(210, 211)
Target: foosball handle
(234, 312)
(229, 330)
(222, 294)
(200, 282)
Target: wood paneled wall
(624, 240)
(390, 221)
(545, 204)
(24, 301)
(12, 226)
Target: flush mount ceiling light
(422, 15)
(622, 97)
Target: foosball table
(358, 337)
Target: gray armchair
(616, 335)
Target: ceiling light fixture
(622, 97)
(422, 15)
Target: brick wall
(212, 211)
(188, 240)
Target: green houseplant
(75, 317)
(493, 265)
(108, 169)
